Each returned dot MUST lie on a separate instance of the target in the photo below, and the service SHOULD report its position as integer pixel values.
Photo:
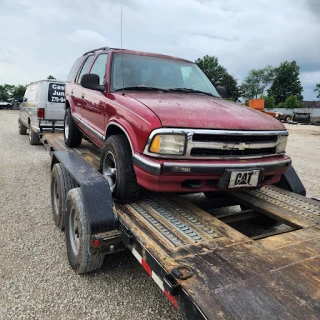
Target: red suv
(161, 124)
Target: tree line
(9, 92)
(278, 86)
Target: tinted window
(85, 68)
(74, 69)
(99, 67)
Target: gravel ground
(35, 278)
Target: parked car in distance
(42, 108)
(5, 105)
(162, 125)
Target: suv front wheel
(72, 135)
(116, 166)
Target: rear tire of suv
(33, 137)
(117, 167)
(72, 135)
(22, 128)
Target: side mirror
(222, 91)
(91, 81)
(20, 100)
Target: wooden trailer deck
(221, 273)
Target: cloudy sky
(38, 38)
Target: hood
(186, 110)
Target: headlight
(168, 144)
(281, 147)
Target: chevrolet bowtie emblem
(243, 146)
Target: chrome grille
(211, 145)
(222, 144)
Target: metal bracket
(170, 284)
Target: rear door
(54, 100)
(94, 102)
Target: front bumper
(178, 175)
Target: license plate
(240, 179)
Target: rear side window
(31, 93)
(99, 67)
(74, 69)
(56, 92)
(85, 68)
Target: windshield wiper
(189, 90)
(143, 88)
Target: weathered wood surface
(234, 277)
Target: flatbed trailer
(206, 268)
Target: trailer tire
(22, 128)
(61, 183)
(72, 135)
(78, 235)
(33, 137)
(117, 167)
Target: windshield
(139, 71)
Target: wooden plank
(272, 210)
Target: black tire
(123, 182)
(22, 128)
(61, 183)
(33, 137)
(78, 237)
(263, 221)
(72, 135)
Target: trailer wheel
(22, 128)
(78, 237)
(61, 183)
(72, 135)
(117, 167)
(33, 137)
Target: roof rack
(92, 51)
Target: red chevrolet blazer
(162, 125)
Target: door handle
(71, 91)
(82, 95)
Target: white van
(42, 108)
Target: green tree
(255, 83)
(317, 89)
(18, 91)
(286, 82)
(269, 102)
(219, 75)
(6, 92)
(51, 77)
(292, 102)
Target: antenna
(122, 56)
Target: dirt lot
(304, 149)
(35, 278)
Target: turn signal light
(40, 113)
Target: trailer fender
(102, 219)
